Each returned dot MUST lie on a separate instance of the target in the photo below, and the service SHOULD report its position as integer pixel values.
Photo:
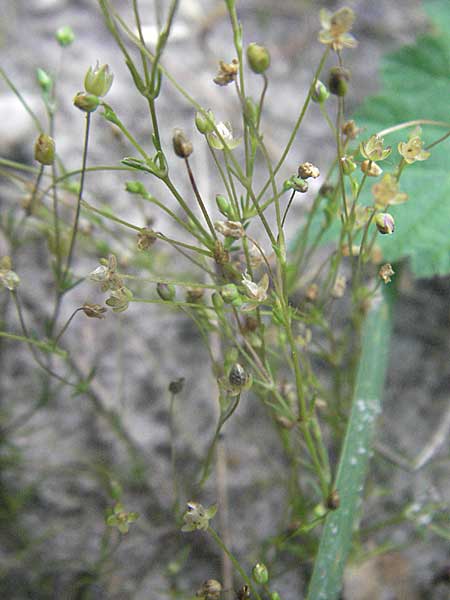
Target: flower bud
(181, 145)
(307, 169)
(385, 223)
(338, 80)
(44, 149)
(166, 291)
(217, 302)
(8, 277)
(44, 80)
(86, 102)
(258, 58)
(348, 165)
(320, 93)
(64, 36)
(205, 122)
(224, 206)
(194, 295)
(229, 292)
(135, 187)
(98, 80)
(275, 596)
(260, 573)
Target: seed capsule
(338, 81)
(181, 145)
(258, 58)
(260, 573)
(44, 149)
(86, 102)
(238, 376)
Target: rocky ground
(55, 466)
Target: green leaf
(416, 85)
(336, 539)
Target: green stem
(236, 564)
(199, 198)
(80, 195)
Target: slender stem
(236, 565)
(80, 195)
(66, 325)
(186, 208)
(173, 457)
(46, 346)
(31, 206)
(287, 208)
(31, 346)
(56, 226)
(438, 141)
(199, 198)
(261, 102)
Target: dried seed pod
(221, 255)
(94, 311)
(181, 145)
(333, 500)
(307, 169)
(385, 273)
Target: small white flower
(99, 274)
(226, 133)
(256, 291)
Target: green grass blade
(336, 537)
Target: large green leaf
(416, 85)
